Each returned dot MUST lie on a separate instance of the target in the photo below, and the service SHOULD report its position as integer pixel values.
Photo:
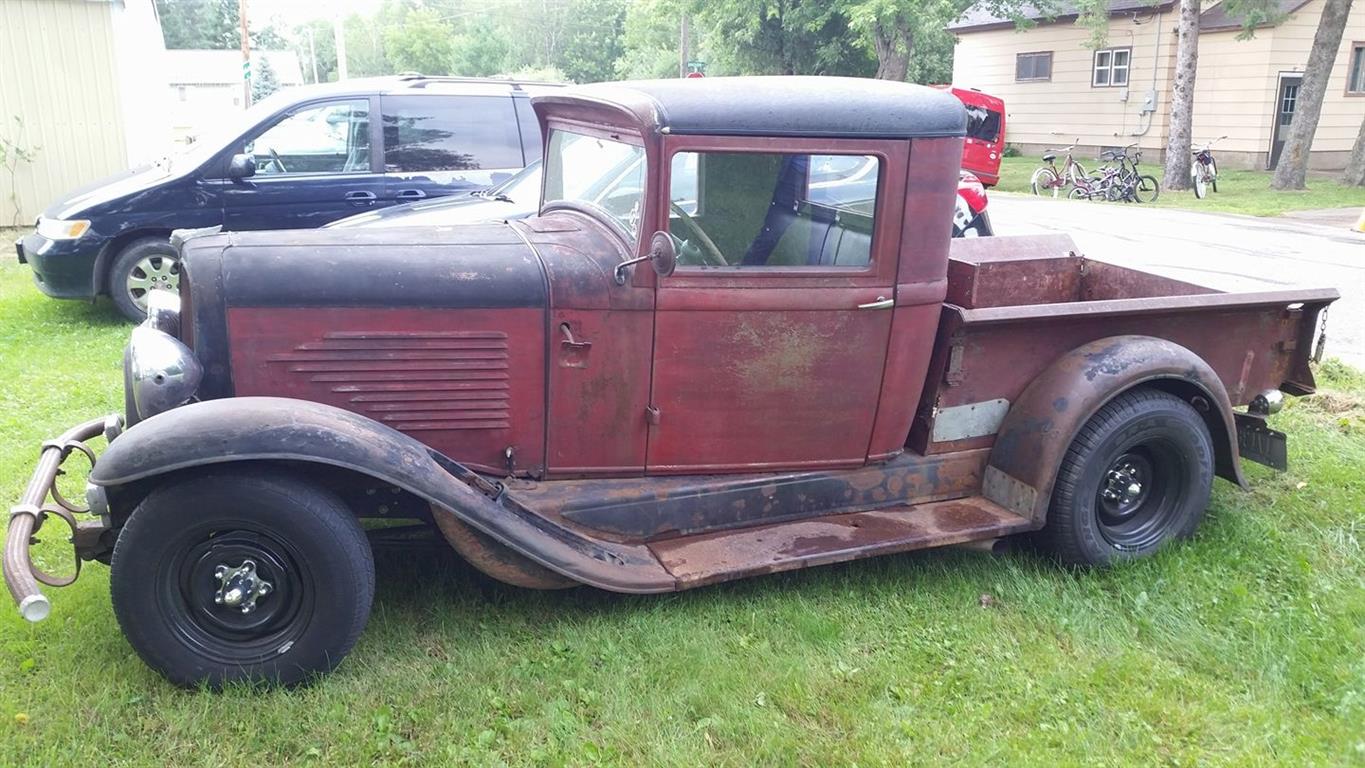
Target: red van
(985, 143)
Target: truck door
(771, 335)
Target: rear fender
(255, 429)
(1046, 417)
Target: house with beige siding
(1058, 90)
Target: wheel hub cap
(154, 273)
(239, 588)
(1125, 486)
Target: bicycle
(1050, 178)
(1135, 187)
(1204, 169)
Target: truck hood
(447, 211)
(107, 189)
(468, 266)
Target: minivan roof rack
(417, 80)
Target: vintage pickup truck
(733, 342)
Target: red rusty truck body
(733, 341)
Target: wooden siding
(1234, 93)
(57, 72)
(1056, 112)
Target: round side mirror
(663, 255)
(241, 166)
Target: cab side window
(745, 209)
(333, 137)
(435, 133)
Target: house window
(1111, 67)
(1355, 76)
(1033, 66)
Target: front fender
(281, 429)
(1046, 417)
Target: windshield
(524, 187)
(603, 174)
(206, 146)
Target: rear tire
(1213, 175)
(293, 552)
(1137, 476)
(1198, 183)
(146, 264)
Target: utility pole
(684, 43)
(312, 54)
(246, 56)
(339, 29)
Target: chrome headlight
(160, 372)
(163, 312)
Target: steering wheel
(275, 159)
(710, 253)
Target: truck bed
(1015, 304)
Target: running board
(722, 555)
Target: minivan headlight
(62, 229)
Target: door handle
(360, 196)
(569, 341)
(411, 194)
(881, 303)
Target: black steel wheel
(1137, 476)
(242, 577)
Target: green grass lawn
(1245, 646)
(1246, 192)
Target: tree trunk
(1293, 167)
(1355, 167)
(1178, 139)
(893, 43)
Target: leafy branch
(13, 152)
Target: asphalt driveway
(1219, 250)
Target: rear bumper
(34, 510)
(62, 269)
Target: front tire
(1137, 476)
(242, 577)
(1199, 184)
(1045, 182)
(144, 265)
(1146, 189)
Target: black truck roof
(797, 106)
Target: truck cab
(734, 340)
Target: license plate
(1260, 443)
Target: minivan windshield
(205, 147)
(602, 174)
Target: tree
(421, 43)
(650, 39)
(211, 24)
(1292, 170)
(479, 51)
(1355, 167)
(593, 40)
(264, 81)
(782, 37)
(1178, 138)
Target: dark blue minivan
(298, 159)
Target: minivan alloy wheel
(152, 273)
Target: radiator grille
(422, 381)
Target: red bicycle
(1051, 180)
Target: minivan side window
(333, 137)
(429, 133)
